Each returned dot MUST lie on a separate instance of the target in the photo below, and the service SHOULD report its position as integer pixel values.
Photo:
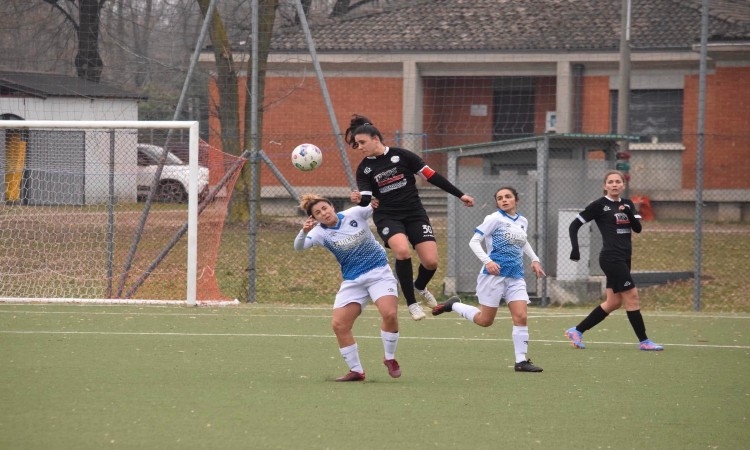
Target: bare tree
(226, 82)
(88, 62)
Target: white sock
(466, 311)
(390, 341)
(520, 337)
(351, 356)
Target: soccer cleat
(416, 311)
(427, 297)
(576, 337)
(352, 376)
(445, 307)
(649, 346)
(393, 368)
(526, 366)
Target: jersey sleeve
(488, 225)
(475, 244)
(304, 241)
(413, 162)
(590, 213)
(633, 216)
(363, 182)
(359, 212)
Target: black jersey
(390, 178)
(615, 226)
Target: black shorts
(416, 227)
(618, 275)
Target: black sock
(405, 275)
(592, 320)
(636, 321)
(424, 275)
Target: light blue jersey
(504, 239)
(351, 242)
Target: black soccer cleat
(447, 306)
(526, 366)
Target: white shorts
(371, 285)
(491, 289)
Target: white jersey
(505, 241)
(351, 242)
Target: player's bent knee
(482, 322)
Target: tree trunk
(88, 63)
(266, 17)
(226, 83)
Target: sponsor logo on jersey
(621, 218)
(393, 186)
(395, 159)
(351, 241)
(386, 231)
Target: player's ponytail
(307, 201)
(360, 125)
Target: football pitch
(260, 377)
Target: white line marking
(370, 311)
(319, 336)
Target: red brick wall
(726, 149)
(595, 114)
(295, 113)
(447, 105)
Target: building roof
(45, 85)
(521, 26)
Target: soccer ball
(307, 157)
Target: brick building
(447, 73)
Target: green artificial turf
(93, 377)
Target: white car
(173, 183)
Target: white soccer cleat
(416, 311)
(427, 298)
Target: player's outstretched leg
(447, 306)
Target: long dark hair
(360, 125)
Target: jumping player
(388, 174)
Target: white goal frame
(192, 229)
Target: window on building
(513, 109)
(654, 114)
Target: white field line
(271, 311)
(320, 336)
(370, 313)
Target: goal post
(89, 206)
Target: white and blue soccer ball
(307, 157)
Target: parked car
(173, 183)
